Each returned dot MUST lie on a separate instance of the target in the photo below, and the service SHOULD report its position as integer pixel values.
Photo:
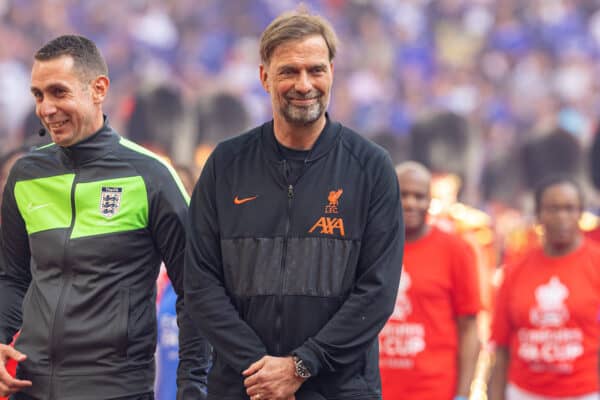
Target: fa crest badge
(110, 201)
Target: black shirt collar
(324, 143)
(91, 148)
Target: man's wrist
(301, 371)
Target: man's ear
(100, 87)
(264, 77)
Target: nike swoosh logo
(32, 207)
(244, 200)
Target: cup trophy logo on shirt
(550, 310)
(403, 307)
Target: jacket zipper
(65, 284)
(290, 196)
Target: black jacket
(310, 268)
(95, 219)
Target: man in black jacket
(86, 222)
(295, 238)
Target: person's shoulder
(130, 151)
(592, 248)
(452, 242)
(530, 260)
(363, 148)
(446, 237)
(38, 161)
(149, 165)
(236, 144)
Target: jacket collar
(326, 140)
(91, 148)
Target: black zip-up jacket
(95, 219)
(309, 268)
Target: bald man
(429, 347)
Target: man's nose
(408, 201)
(303, 84)
(46, 108)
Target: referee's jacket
(85, 229)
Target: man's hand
(8, 384)
(272, 378)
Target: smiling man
(292, 286)
(86, 223)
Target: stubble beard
(298, 115)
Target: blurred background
(497, 92)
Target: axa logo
(329, 225)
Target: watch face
(301, 370)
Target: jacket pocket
(123, 322)
(38, 307)
(141, 326)
(95, 324)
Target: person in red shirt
(429, 347)
(545, 328)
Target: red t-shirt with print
(419, 344)
(547, 316)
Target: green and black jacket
(85, 229)
(307, 266)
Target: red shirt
(419, 344)
(547, 316)
(594, 234)
(11, 366)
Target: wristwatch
(301, 370)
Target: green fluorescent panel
(114, 205)
(139, 149)
(45, 203)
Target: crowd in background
(512, 75)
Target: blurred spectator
(6, 163)
(441, 142)
(157, 119)
(557, 152)
(429, 347)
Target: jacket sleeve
(168, 211)
(15, 273)
(206, 297)
(355, 326)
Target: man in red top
(545, 328)
(429, 347)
